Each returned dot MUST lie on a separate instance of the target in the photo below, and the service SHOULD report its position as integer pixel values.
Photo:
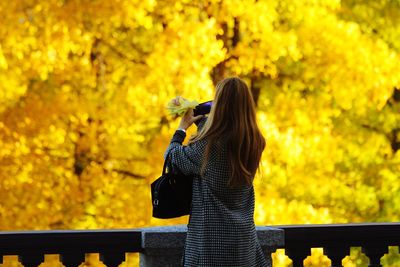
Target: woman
(223, 158)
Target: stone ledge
(163, 245)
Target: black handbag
(171, 193)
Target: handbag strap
(165, 163)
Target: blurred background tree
(84, 85)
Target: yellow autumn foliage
(84, 85)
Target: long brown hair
(232, 121)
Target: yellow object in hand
(182, 107)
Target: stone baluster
(31, 260)
(336, 254)
(112, 258)
(72, 259)
(374, 253)
(297, 254)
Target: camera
(202, 108)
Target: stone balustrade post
(163, 246)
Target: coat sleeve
(187, 159)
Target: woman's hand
(188, 119)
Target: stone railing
(337, 239)
(157, 246)
(162, 246)
(31, 246)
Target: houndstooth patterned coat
(221, 230)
